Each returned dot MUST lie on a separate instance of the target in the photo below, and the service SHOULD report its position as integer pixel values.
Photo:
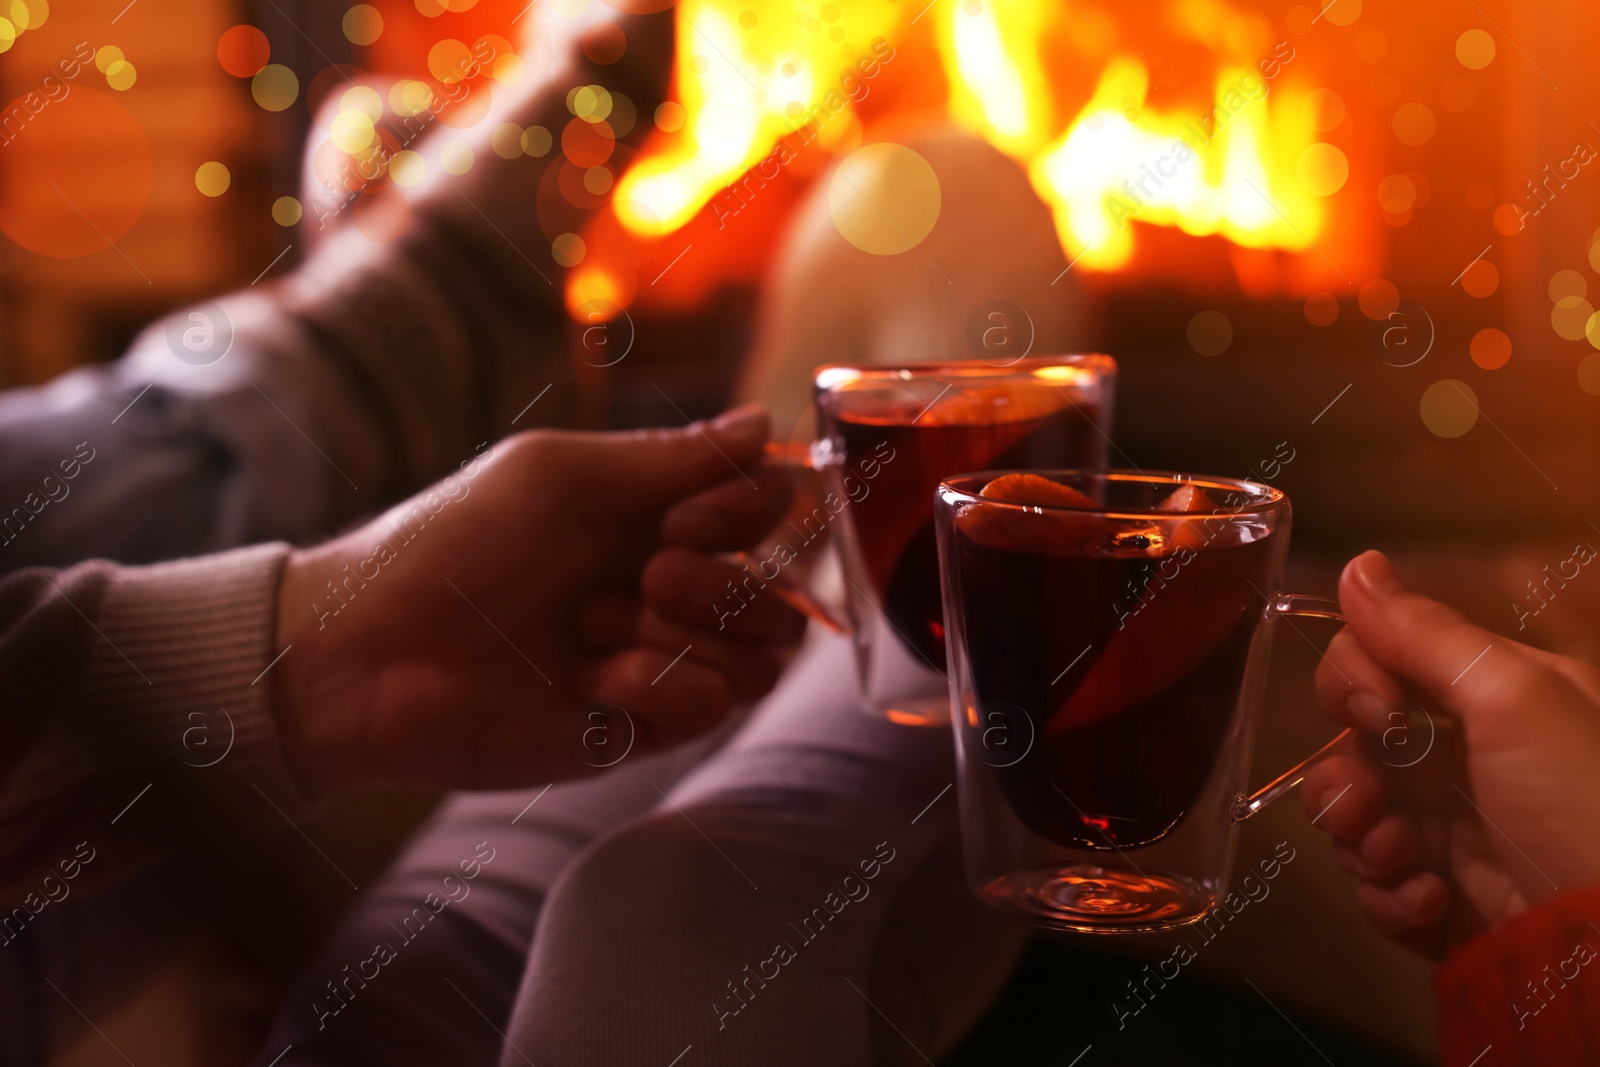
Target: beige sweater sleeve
(135, 702)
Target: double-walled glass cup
(886, 436)
(1108, 643)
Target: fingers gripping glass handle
(1290, 606)
(795, 456)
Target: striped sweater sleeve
(135, 696)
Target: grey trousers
(789, 895)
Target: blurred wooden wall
(56, 313)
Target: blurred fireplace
(1414, 247)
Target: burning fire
(1166, 169)
(748, 77)
(738, 111)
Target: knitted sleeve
(1527, 992)
(134, 702)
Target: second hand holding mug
(1108, 641)
(886, 436)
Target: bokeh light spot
(1570, 318)
(121, 75)
(1378, 299)
(508, 69)
(568, 249)
(1414, 123)
(275, 87)
(1210, 333)
(884, 199)
(286, 211)
(1322, 309)
(1491, 348)
(1342, 12)
(364, 99)
(1481, 279)
(1449, 408)
(1589, 374)
(212, 178)
(242, 51)
(456, 157)
(592, 103)
(1565, 283)
(449, 60)
(1508, 219)
(587, 144)
(1475, 49)
(623, 115)
(1322, 169)
(469, 110)
(29, 14)
(670, 117)
(352, 131)
(109, 54)
(1397, 193)
(409, 97)
(67, 212)
(407, 168)
(536, 141)
(604, 43)
(506, 140)
(1323, 109)
(381, 218)
(363, 24)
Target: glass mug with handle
(1108, 637)
(886, 436)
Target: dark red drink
(975, 429)
(1125, 652)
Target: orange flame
(747, 77)
(743, 86)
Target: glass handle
(795, 455)
(1284, 606)
(798, 598)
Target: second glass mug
(885, 437)
(1109, 634)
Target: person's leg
(425, 968)
(796, 900)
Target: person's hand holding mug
(455, 639)
(1523, 822)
